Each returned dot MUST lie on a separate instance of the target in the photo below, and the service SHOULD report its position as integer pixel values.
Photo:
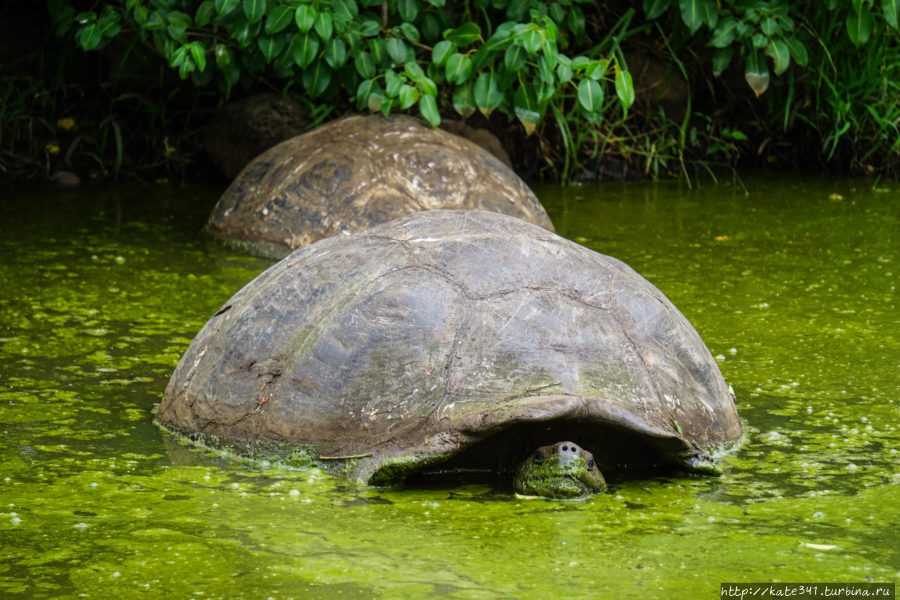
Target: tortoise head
(561, 470)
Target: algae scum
(793, 288)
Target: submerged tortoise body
(356, 172)
(465, 338)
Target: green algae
(263, 451)
(395, 469)
(798, 304)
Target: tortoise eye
(538, 457)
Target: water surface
(792, 286)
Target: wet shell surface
(465, 338)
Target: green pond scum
(792, 287)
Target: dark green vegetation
(793, 288)
(600, 89)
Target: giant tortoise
(356, 172)
(455, 340)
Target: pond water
(792, 286)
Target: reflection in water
(792, 287)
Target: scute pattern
(356, 172)
(430, 333)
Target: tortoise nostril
(538, 457)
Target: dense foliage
(568, 69)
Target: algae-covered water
(793, 288)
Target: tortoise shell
(462, 337)
(356, 172)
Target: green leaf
(365, 89)
(392, 82)
(557, 13)
(89, 36)
(246, 32)
(514, 57)
(487, 93)
(410, 32)
(564, 70)
(198, 52)
(65, 18)
(59, 9)
(379, 51)
(178, 22)
(223, 56)
(424, 84)
(271, 45)
(413, 70)
(205, 13)
(724, 33)
(179, 56)
(317, 78)
(527, 108)
(780, 54)
(254, 10)
(223, 7)
(408, 9)
(757, 73)
(305, 17)
(109, 25)
(463, 35)
(859, 25)
(397, 50)
(590, 95)
(596, 69)
(305, 46)
(369, 27)
(407, 95)
(186, 68)
(344, 12)
(545, 71)
(721, 60)
(576, 22)
(232, 74)
(140, 16)
(335, 53)
(695, 13)
(770, 27)
(760, 41)
(429, 110)
(654, 8)
(278, 18)
(891, 8)
(501, 39)
(441, 52)
(459, 68)
(550, 51)
(364, 64)
(324, 25)
(431, 26)
(532, 40)
(798, 51)
(464, 99)
(624, 88)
